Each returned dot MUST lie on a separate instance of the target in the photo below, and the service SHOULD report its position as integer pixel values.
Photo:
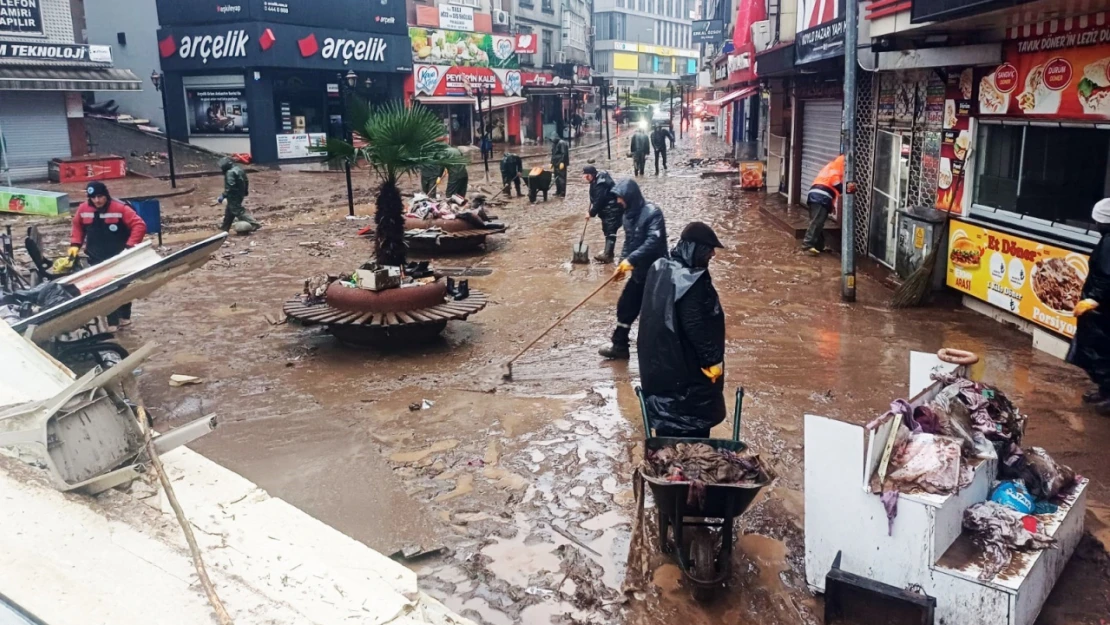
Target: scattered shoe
(812, 251)
(614, 352)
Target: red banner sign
(432, 80)
(526, 44)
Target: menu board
(955, 146)
(1035, 281)
(1061, 73)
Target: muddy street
(515, 499)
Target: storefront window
(217, 110)
(1051, 173)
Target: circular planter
(389, 300)
(446, 225)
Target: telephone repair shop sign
(21, 17)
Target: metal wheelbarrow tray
(703, 565)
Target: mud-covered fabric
(682, 331)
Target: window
(526, 59)
(548, 58)
(548, 6)
(1055, 174)
(640, 4)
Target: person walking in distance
(681, 347)
(823, 195)
(639, 150)
(659, 138)
(645, 241)
(236, 190)
(560, 161)
(603, 204)
(105, 227)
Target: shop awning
(500, 102)
(739, 93)
(87, 79)
(776, 60)
(446, 99)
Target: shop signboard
(1051, 71)
(217, 110)
(1035, 281)
(707, 31)
(300, 145)
(21, 17)
(820, 30)
(438, 80)
(462, 49)
(61, 52)
(191, 48)
(956, 140)
(33, 202)
(379, 16)
(455, 17)
(526, 44)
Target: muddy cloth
(316, 288)
(603, 204)
(991, 411)
(682, 331)
(645, 229)
(1090, 350)
(1045, 479)
(927, 462)
(999, 531)
(955, 421)
(702, 465)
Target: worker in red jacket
(106, 227)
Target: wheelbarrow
(539, 182)
(692, 528)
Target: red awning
(739, 93)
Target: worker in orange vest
(826, 190)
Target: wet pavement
(529, 483)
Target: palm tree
(397, 140)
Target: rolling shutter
(820, 137)
(34, 131)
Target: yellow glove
(73, 251)
(562, 166)
(62, 265)
(715, 372)
(623, 269)
(1084, 307)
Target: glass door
(888, 194)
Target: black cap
(95, 188)
(698, 232)
(590, 169)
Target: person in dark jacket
(1090, 349)
(236, 190)
(512, 168)
(639, 150)
(560, 161)
(105, 227)
(682, 339)
(645, 241)
(457, 177)
(603, 204)
(659, 139)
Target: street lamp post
(156, 78)
(351, 79)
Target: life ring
(446, 225)
(389, 300)
(957, 356)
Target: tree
(397, 140)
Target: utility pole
(605, 110)
(670, 101)
(681, 108)
(848, 138)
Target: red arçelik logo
(308, 45)
(167, 47)
(267, 39)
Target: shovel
(581, 251)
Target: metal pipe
(848, 136)
(169, 141)
(605, 109)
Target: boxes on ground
(88, 168)
(33, 202)
(378, 279)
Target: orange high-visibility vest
(831, 176)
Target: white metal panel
(27, 374)
(35, 130)
(820, 137)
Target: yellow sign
(1035, 281)
(918, 237)
(626, 61)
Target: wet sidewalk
(530, 482)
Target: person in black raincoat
(1090, 349)
(682, 339)
(645, 241)
(659, 138)
(603, 204)
(512, 168)
(560, 161)
(639, 150)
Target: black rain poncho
(604, 204)
(682, 331)
(1090, 349)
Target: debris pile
(1000, 531)
(370, 276)
(425, 208)
(699, 462)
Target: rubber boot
(619, 349)
(606, 257)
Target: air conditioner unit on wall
(500, 18)
(761, 35)
(561, 57)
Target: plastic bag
(1015, 495)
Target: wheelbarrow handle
(736, 415)
(643, 411)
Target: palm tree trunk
(390, 220)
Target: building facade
(643, 43)
(44, 73)
(130, 33)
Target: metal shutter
(35, 130)
(820, 137)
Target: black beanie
(698, 232)
(590, 169)
(97, 187)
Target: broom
(913, 291)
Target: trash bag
(47, 294)
(1014, 494)
(1044, 478)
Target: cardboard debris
(181, 380)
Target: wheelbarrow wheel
(703, 557)
(664, 528)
